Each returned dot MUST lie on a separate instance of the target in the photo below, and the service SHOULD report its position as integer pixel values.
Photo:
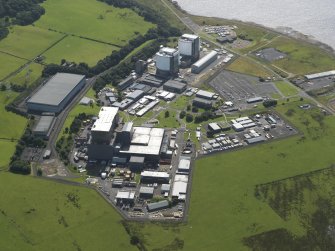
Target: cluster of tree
(27, 140)
(22, 12)
(20, 167)
(207, 115)
(64, 144)
(77, 122)
(269, 103)
(17, 88)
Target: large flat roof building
(320, 75)
(145, 141)
(56, 93)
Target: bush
(182, 114)
(134, 240)
(195, 109)
(269, 103)
(189, 118)
(20, 167)
(167, 114)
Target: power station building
(189, 46)
(103, 128)
(56, 93)
(110, 140)
(167, 62)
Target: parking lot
(270, 54)
(238, 87)
(264, 130)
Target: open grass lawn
(286, 89)
(224, 209)
(7, 150)
(93, 19)
(75, 49)
(11, 125)
(246, 66)
(28, 41)
(170, 122)
(44, 215)
(27, 75)
(181, 103)
(9, 64)
(302, 58)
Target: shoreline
(283, 30)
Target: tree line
(21, 12)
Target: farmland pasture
(75, 49)
(27, 75)
(11, 125)
(7, 149)
(93, 19)
(53, 216)
(28, 41)
(9, 64)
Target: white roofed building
(103, 127)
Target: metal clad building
(202, 63)
(44, 126)
(174, 86)
(56, 93)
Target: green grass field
(302, 58)
(169, 122)
(53, 216)
(27, 75)
(28, 41)
(92, 19)
(246, 66)
(223, 200)
(78, 50)
(286, 89)
(9, 64)
(7, 150)
(11, 125)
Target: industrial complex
(145, 168)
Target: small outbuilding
(158, 205)
(146, 192)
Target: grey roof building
(203, 103)
(56, 93)
(135, 95)
(44, 126)
(158, 205)
(174, 86)
(146, 192)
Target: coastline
(282, 30)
